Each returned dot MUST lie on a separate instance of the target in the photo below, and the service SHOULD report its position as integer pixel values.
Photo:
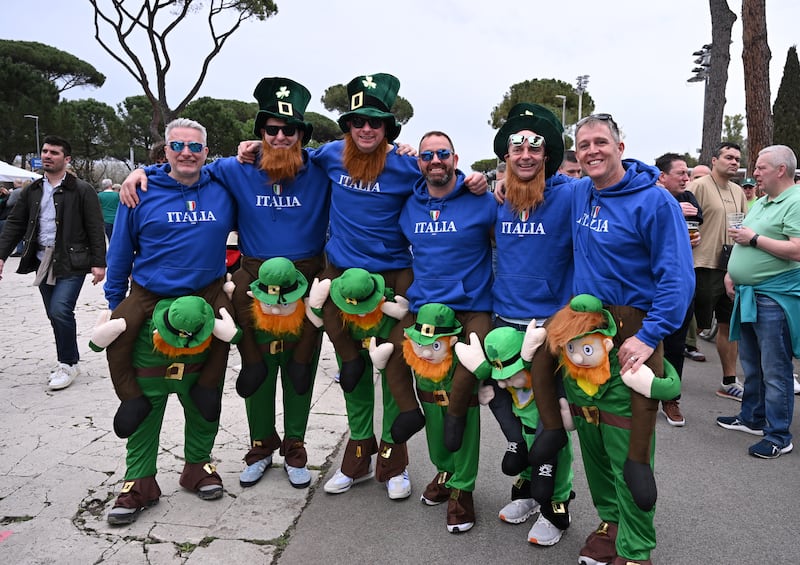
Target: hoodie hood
(160, 176)
(638, 176)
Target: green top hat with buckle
(434, 320)
(589, 303)
(372, 96)
(284, 99)
(279, 282)
(184, 322)
(537, 119)
(357, 291)
(503, 348)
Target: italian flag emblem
(435, 214)
(191, 205)
(277, 189)
(524, 215)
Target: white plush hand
(225, 329)
(485, 394)
(320, 290)
(534, 338)
(471, 356)
(641, 380)
(566, 415)
(107, 330)
(228, 286)
(397, 309)
(380, 353)
(311, 315)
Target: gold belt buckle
(591, 414)
(365, 343)
(276, 347)
(175, 372)
(441, 398)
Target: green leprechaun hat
(539, 120)
(502, 347)
(285, 99)
(373, 96)
(589, 303)
(357, 291)
(184, 322)
(279, 282)
(434, 320)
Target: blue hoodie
(534, 255)
(364, 228)
(173, 242)
(631, 248)
(288, 219)
(451, 244)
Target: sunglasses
(598, 117)
(194, 146)
(288, 130)
(517, 139)
(358, 122)
(442, 154)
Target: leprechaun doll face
(278, 309)
(437, 351)
(518, 380)
(589, 350)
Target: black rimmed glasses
(517, 139)
(442, 154)
(359, 122)
(194, 146)
(288, 130)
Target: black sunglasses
(598, 117)
(288, 130)
(358, 122)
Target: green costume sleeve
(669, 386)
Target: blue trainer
(253, 473)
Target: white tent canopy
(10, 173)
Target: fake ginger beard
(283, 163)
(365, 321)
(171, 351)
(432, 371)
(363, 167)
(524, 195)
(291, 324)
(588, 378)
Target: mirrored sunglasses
(517, 139)
(288, 130)
(442, 154)
(194, 146)
(358, 122)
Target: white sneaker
(340, 482)
(63, 376)
(399, 487)
(796, 384)
(544, 532)
(519, 510)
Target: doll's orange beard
(432, 371)
(278, 325)
(171, 351)
(363, 167)
(283, 163)
(524, 195)
(595, 375)
(366, 321)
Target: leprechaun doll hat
(279, 282)
(372, 96)
(503, 348)
(184, 322)
(282, 98)
(434, 320)
(540, 120)
(357, 291)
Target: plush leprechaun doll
(168, 356)
(278, 315)
(583, 334)
(367, 308)
(506, 355)
(428, 350)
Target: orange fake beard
(432, 371)
(363, 167)
(171, 352)
(366, 321)
(524, 195)
(278, 325)
(596, 375)
(283, 163)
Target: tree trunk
(722, 19)
(756, 56)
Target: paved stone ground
(62, 466)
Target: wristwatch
(754, 241)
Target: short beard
(524, 195)
(596, 375)
(435, 372)
(363, 167)
(279, 326)
(283, 163)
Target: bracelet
(754, 241)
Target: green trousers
(360, 405)
(462, 465)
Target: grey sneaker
(299, 477)
(519, 510)
(734, 391)
(734, 423)
(253, 473)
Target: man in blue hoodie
(172, 244)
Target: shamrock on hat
(503, 347)
(184, 322)
(278, 282)
(357, 291)
(285, 99)
(540, 120)
(373, 96)
(434, 320)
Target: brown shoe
(460, 512)
(600, 546)
(202, 479)
(672, 411)
(437, 491)
(134, 497)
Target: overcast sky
(455, 58)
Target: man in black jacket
(59, 221)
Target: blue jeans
(59, 303)
(765, 351)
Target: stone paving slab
(62, 466)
